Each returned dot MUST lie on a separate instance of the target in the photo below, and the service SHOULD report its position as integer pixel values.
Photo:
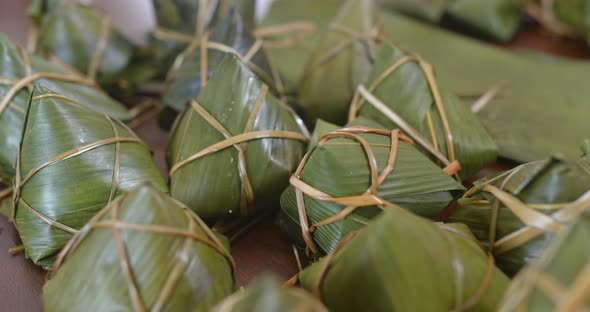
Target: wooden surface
(264, 248)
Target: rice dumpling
(232, 151)
(350, 175)
(178, 23)
(71, 162)
(403, 92)
(143, 252)
(516, 213)
(563, 17)
(558, 280)
(339, 62)
(18, 71)
(288, 58)
(84, 38)
(266, 294)
(396, 264)
(200, 60)
(498, 19)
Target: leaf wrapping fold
(72, 161)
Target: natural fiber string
(101, 44)
(20, 182)
(247, 194)
(113, 223)
(544, 13)
(536, 222)
(205, 45)
(351, 203)
(364, 94)
(201, 24)
(534, 278)
(134, 296)
(26, 82)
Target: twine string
(366, 95)
(351, 203)
(535, 222)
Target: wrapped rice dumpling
(178, 23)
(516, 213)
(558, 280)
(18, 72)
(563, 17)
(266, 294)
(339, 62)
(72, 161)
(234, 148)
(200, 60)
(143, 252)
(403, 92)
(349, 176)
(82, 37)
(498, 19)
(398, 262)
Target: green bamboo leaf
(529, 92)
(498, 19)
(340, 61)
(84, 38)
(233, 150)
(289, 59)
(143, 252)
(184, 79)
(391, 265)
(555, 281)
(504, 210)
(338, 166)
(72, 161)
(402, 83)
(266, 294)
(17, 70)
(430, 10)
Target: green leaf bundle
(233, 150)
(72, 161)
(84, 38)
(498, 19)
(145, 251)
(402, 262)
(340, 60)
(18, 71)
(350, 175)
(403, 92)
(558, 280)
(200, 60)
(565, 18)
(178, 23)
(266, 294)
(516, 213)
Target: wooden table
(264, 248)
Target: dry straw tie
(364, 94)
(536, 222)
